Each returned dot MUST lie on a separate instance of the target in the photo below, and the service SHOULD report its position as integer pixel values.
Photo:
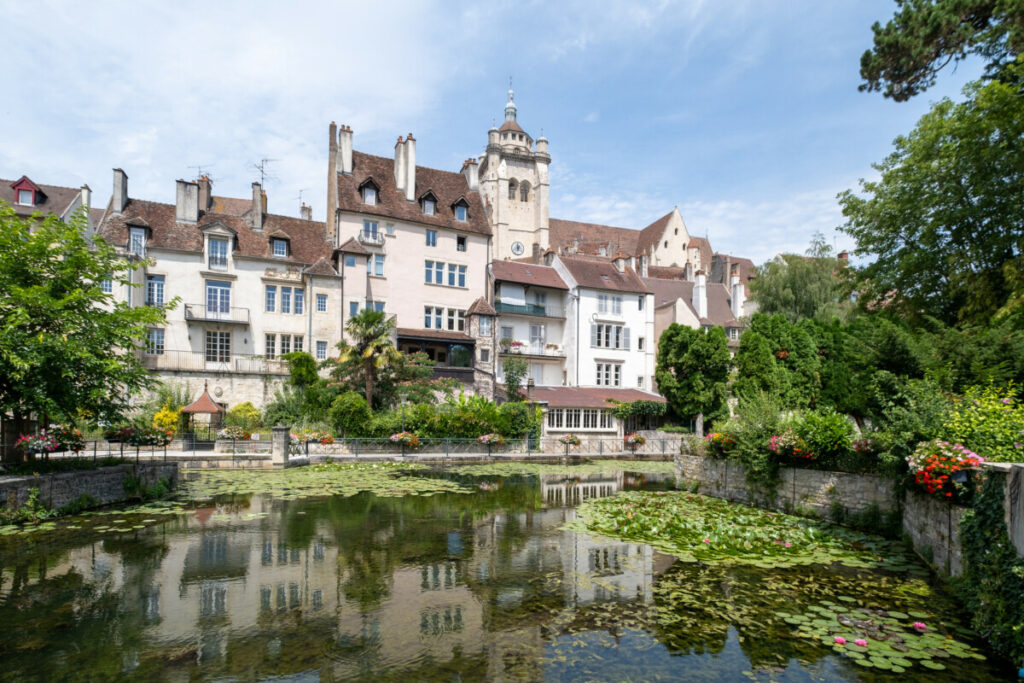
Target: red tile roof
(589, 397)
(203, 404)
(447, 187)
(598, 273)
(527, 274)
(352, 246)
(591, 237)
(57, 200)
(650, 235)
(511, 125)
(307, 239)
(323, 266)
(481, 307)
(704, 247)
(719, 311)
(666, 272)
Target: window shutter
(625, 338)
(593, 334)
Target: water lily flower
(788, 544)
(920, 626)
(861, 642)
(840, 640)
(707, 540)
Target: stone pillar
(279, 446)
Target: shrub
(719, 444)
(244, 415)
(991, 421)
(234, 432)
(827, 434)
(36, 444)
(167, 418)
(790, 445)
(349, 414)
(934, 465)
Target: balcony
(191, 360)
(518, 348)
(526, 309)
(372, 238)
(216, 314)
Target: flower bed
(407, 439)
(569, 440)
(491, 439)
(939, 468)
(634, 440)
(236, 433)
(718, 444)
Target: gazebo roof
(203, 404)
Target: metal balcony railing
(220, 314)
(191, 360)
(532, 349)
(218, 263)
(527, 309)
(375, 238)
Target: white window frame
(299, 301)
(155, 341)
(21, 198)
(220, 350)
(280, 247)
(137, 241)
(369, 195)
(461, 213)
(429, 207)
(155, 290)
(321, 303)
(218, 248)
(270, 346)
(270, 298)
(321, 350)
(485, 326)
(431, 237)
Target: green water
(422, 576)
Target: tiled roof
(323, 266)
(424, 333)
(307, 239)
(666, 272)
(512, 126)
(719, 312)
(203, 404)
(57, 201)
(598, 273)
(527, 274)
(591, 237)
(589, 397)
(481, 307)
(650, 235)
(704, 247)
(667, 291)
(352, 246)
(447, 186)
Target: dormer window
(370, 195)
(137, 241)
(461, 212)
(429, 207)
(26, 197)
(280, 247)
(218, 254)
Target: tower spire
(510, 106)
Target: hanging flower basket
(569, 440)
(634, 440)
(407, 439)
(236, 433)
(491, 439)
(939, 468)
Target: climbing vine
(992, 586)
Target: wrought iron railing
(202, 312)
(192, 360)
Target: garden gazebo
(205, 405)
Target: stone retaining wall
(934, 528)
(106, 484)
(809, 492)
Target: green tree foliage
(244, 415)
(801, 287)
(779, 358)
(66, 347)
(371, 351)
(990, 422)
(515, 370)
(350, 415)
(692, 370)
(925, 35)
(942, 225)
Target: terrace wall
(105, 484)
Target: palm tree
(372, 349)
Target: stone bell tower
(514, 186)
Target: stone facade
(106, 484)
(809, 492)
(934, 529)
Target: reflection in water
(450, 587)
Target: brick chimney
(306, 212)
(205, 193)
(186, 205)
(259, 207)
(120, 196)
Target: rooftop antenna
(300, 196)
(262, 168)
(199, 170)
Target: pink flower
(840, 640)
(861, 642)
(919, 625)
(707, 540)
(788, 544)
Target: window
(456, 320)
(640, 382)
(460, 243)
(271, 298)
(609, 336)
(602, 303)
(286, 299)
(350, 261)
(297, 343)
(538, 334)
(218, 254)
(461, 213)
(378, 265)
(269, 345)
(107, 285)
(506, 331)
(321, 303)
(524, 191)
(280, 247)
(485, 355)
(575, 418)
(218, 347)
(218, 299)
(370, 230)
(512, 187)
(435, 267)
(432, 312)
(286, 344)
(377, 306)
(26, 198)
(155, 342)
(137, 241)
(431, 238)
(485, 326)
(370, 195)
(451, 274)
(300, 301)
(616, 305)
(389, 229)
(640, 302)
(734, 333)
(462, 276)
(154, 290)
(321, 350)
(429, 207)
(609, 375)
(353, 308)
(639, 343)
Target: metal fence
(545, 446)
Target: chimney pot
(120, 195)
(306, 212)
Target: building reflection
(280, 587)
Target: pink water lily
(861, 642)
(920, 626)
(788, 544)
(707, 540)
(840, 640)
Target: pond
(474, 573)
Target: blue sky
(745, 115)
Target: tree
(515, 370)
(67, 348)
(943, 222)
(692, 370)
(779, 358)
(372, 350)
(350, 414)
(801, 287)
(925, 35)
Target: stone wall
(934, 528)
(809, 492)
(105, 484)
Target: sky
(745, 115)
